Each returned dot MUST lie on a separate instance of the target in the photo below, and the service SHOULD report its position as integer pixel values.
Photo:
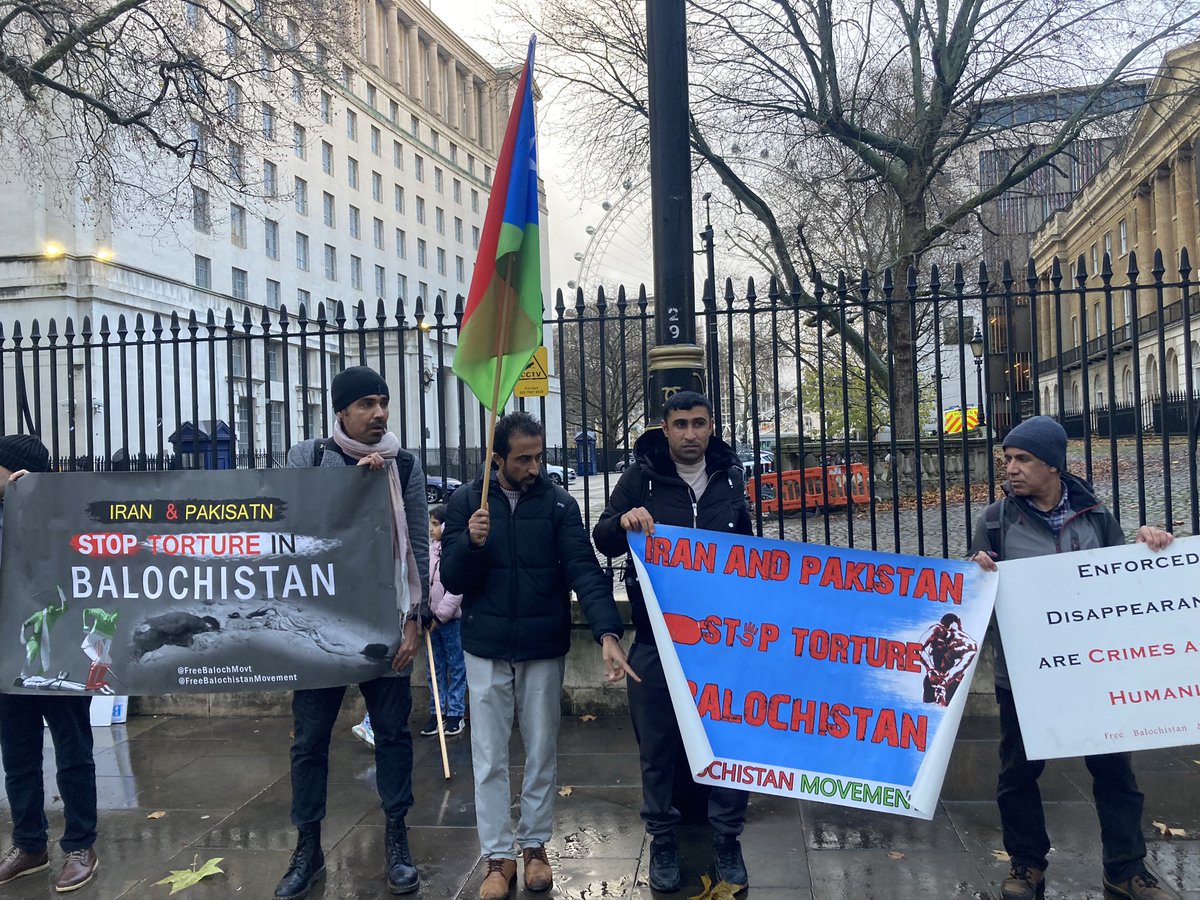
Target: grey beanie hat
(1044, 438)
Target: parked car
(439, 489)
(766, 462)
(624, 462)
(555, 474)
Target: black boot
(402, 874)
(307, 867)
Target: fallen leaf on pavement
(587, 718)
(1000, 856)
(185, 878)
(157, 814)
(566, 790)
(895, 854)
(1167, 831)
(722, 890)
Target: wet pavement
(178, 791)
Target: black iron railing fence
(1115, 358)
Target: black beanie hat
(1044, 438)
(23, 451)
(353, 383)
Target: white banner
(1103, 648)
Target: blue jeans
(21, 743)
(446, 640)
(314, 712)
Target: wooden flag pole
(437, 706)
(501, 341)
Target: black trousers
(389, 703)
(21, 747)
(660, 748)
(1118, 802)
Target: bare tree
(906, 89)
(135, 97)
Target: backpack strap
(404, 465)
(319, 451)
(993, 517)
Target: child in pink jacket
(446, 636)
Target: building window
(1074, 331)
(271, 243)
(460, 269)
(301, 195)
(435, 141)
(327, 207)
(1108, 246)
(270, 179)
(458, 229)
(441, 261)
(237, 225)
(245, 421)
(268, 121)
(398, 198)
(414, 127)
(376, 141)
(355, 223)
(326, 158)
(326, 108)
(421, 254)
(487, 175)
(199, 143)
(398, 155)
(393, 111)
(422, 290)
(241, 287)
(239, 359)
(301, 252)
(312, 420)
(456, 191)
(275, 423)
(352, 125)
(347, 77)
(237, 163)
(454, 153)
(420, 210)
(437, 179)
(201, 216)
(1123, 236)
(377, 233)
(376, 187)
(331, 262)
(401, 244)
(1096, 330)
(439, 220)
(471, 164)
(380, 281)
(474, 237)
(418, 167)
(401, 286)
(1095, 260)
(297, 88)
(474, 200)
(299, 141)
(372, 96)
(303, 297)
(356, 273)
(352, 172)
(203, 272)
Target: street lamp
(977, 351)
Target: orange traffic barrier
(813, 488)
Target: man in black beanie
(360, 438)
(69, 720)
(1047, 510)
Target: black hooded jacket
(653, 481)
(516, 588)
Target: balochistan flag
(502, 324)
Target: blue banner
(817, 672)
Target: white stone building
(373, 186)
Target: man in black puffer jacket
(515, 563)
(681, 475)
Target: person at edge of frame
(360, 438)
(69, 721)
(515, 562)
(1045, 509)
(682, 475)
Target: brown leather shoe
(78, 870)
(17, 862)
(538, 875)
(501, 873)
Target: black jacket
(516, 588)
(653, 481)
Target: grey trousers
(532, 690)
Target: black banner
(155, 583)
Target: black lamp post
(977, 351)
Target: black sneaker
(664, 864)
(731, 867)
(430, 728)
(453, 725)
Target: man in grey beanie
(1047, 510)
